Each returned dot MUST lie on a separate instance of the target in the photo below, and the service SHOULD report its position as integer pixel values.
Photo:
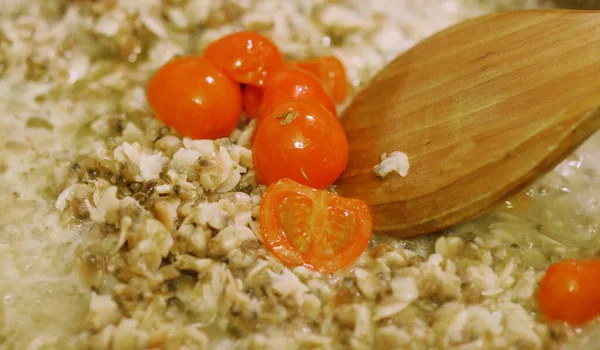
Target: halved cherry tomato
(303, 141)
(252, 97)
(331, 72)
(196, 98)
(570, 291)
(318, 229)
(290, 84)
(247, 56)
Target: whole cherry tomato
(303, 141)
(290, 84)
(331, 72)
(196, 98)
(570, 292)
(248, 57)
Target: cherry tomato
(303, 141)
(570, 292)
(248, 57)
(289, 84)
(331, 72)
(196, 98)
(252, 98)
(318, 229)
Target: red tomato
(252, 98)
(196, 98)
(290, 84)
(303, 141)
(331, 72)
(570, 291)
(248, 57)
(318, 229)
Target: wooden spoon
(481, 109)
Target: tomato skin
(317, 229)
(310, 149)
(248, 57)
(331, 72)
(292, 84)
(252, 97)
(570, 292)
(196, 98)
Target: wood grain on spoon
(481, 109)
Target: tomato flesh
(292, 84)
(317, 229)
(570, 292)
(302, 141)
(248, 57)
(196, 98)
(331, 72)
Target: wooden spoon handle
(480, 109)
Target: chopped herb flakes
(287, 118)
